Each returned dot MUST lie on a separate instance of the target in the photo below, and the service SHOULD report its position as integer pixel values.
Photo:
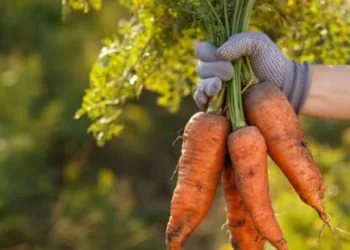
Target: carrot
(200, 166)
(243, 235)
(248, 154)
(267, 108)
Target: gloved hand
(268, 62)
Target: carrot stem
(239, 17)
(235, 97)
(226, 19)
(216, 102)
(245, 26)
(247, 14)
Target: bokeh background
(60, 191)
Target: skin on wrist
(329, 94)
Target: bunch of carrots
(229, 144)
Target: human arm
(312, 90)
(329, 95)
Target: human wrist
(296, 84)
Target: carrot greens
(220, 20)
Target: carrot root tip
(341, 230)
(326, 219)
(321, 232)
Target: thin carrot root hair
(332, 228)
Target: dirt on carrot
(267, 108)
(243, 234)
(248, 153)
(200, 166)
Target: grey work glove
(268, 62)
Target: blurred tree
(54, 194)
(148, 54)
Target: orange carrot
(243, 235)
(248, 154)
(267, 108)
(200, 166)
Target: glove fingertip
(206, 51)
(201, 100)
(228, 71)
(214, 87)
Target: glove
(268, 62)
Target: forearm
(329, 94)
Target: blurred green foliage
(158, 38)
(60, 191)
(149, 52)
